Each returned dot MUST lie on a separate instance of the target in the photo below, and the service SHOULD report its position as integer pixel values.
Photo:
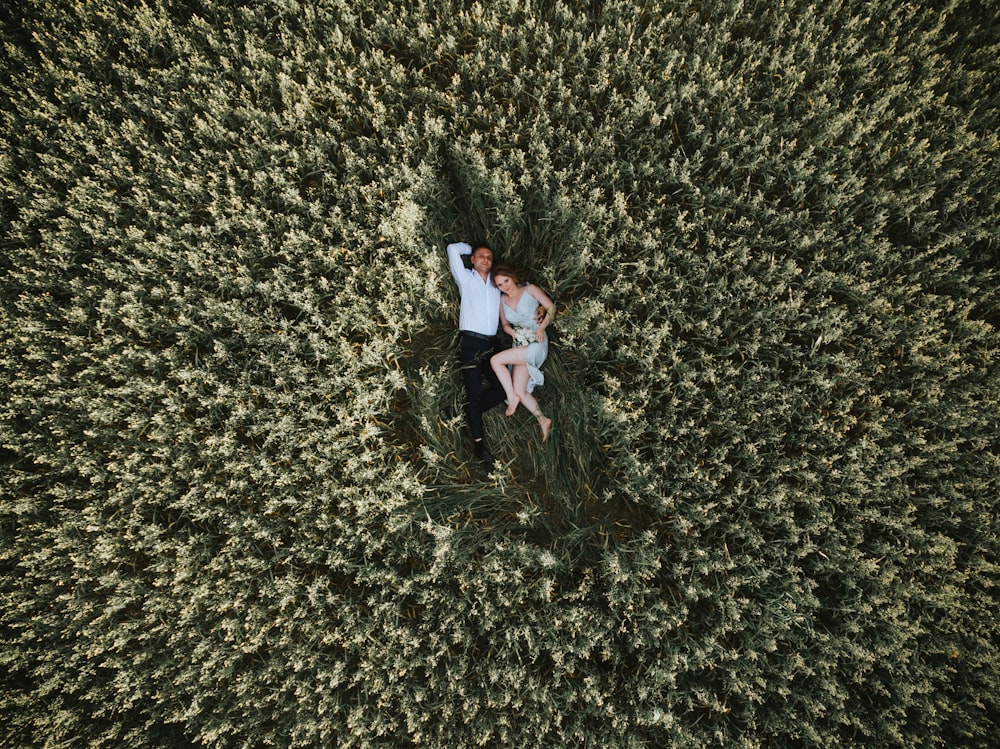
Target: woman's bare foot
(545, 423)
(511, 406)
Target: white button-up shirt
(480, 308)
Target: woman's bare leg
(499, 364)
(520, 383)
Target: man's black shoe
(484, 454)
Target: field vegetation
(238, 504)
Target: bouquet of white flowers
(523, 336)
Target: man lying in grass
(478, 320)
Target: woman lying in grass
(519, 367)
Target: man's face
(482, 259)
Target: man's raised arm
(455, 252)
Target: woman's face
(504, 283)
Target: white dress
(525, 325)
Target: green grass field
(237, 506)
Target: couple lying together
(493, 298)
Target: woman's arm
(546, 304)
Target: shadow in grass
(560, 494)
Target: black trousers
(474, 355)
